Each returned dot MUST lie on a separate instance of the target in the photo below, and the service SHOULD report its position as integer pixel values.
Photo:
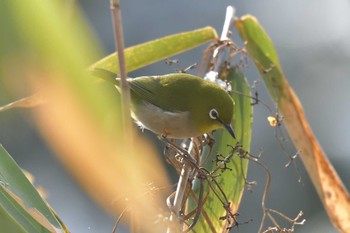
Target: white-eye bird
(178, 105)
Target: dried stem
(219, 53)
(125, 92)
(124, 87)
(176, 218)
(267, 212)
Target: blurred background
(313, 41)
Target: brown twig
(124, 86)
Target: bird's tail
(106, 75)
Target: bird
(177, 105)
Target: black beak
(228, 127)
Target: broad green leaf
(324, 177)
(150, 52)
(21, 202)
(261, 49)
(230, 180)
(81, 121)
(8, 223)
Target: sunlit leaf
(330, 188)
(20, 201)
(231, 180)
(150, 52)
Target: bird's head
(214, 110)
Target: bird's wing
(146, 89)
(169, 92)
(149, 88)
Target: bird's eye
(213, 114)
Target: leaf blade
(152, 51)
(231, 181)
(22, 201)
(331, 190)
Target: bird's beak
(229, 128)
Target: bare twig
(188, 164)
(267, 212)
(124, 87)
(125, 91)
(119, 219)
(175, 217)
(199, 204)
(203, 174)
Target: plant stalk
(124, 86)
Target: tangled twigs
(267, 212)
(277, 227)
(223, 160)
(188, 164)
(209, 178)
(186, 158)
(199, 204)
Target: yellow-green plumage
(184, 103)
(178, 105)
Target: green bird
(178, 105)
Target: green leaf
(261, 49)
(231, 181)
(22, 208)
(320, 170)
(55, 44)
(150, 52)
(8, 223)
(81, 120)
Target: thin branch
(175, 217)
(188, 165)
(199, 204)
(124, 87)
(119, 219)
(125, 92)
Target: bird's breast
(160, 121)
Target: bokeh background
(313, 41)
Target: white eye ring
(213, 114)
